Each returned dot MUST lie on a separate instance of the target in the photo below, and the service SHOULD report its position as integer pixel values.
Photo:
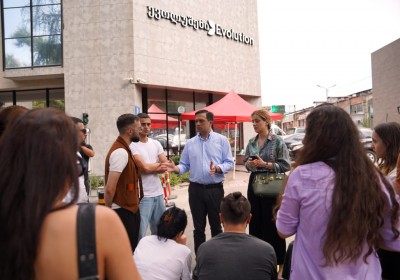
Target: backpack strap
(86, 237)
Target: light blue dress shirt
(198, 153)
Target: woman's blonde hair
(263, 114)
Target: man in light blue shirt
(208, 157)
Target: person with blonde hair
(338, 204)
(265, 152)
(40, 232)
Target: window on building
(35, 98)
(32, 33)
(356, 108)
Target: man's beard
(135, 138)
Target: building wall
(98, 55)
(169, 54)
(386, 82)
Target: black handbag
(268, 184)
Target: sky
(305, 43)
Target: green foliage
(174, 179)
(54, 103)
(178, 179)
(176, 159)
(366, 122)
(12, 62)
(185, 177)
(96, 181)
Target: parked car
(294, 130)
(365, 138)
(162, 138)
(277, 130)
(294, 148)
(293, 138)
(173, 141)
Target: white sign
(181, 109)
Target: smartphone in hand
(253, 157)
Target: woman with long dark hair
(338, 204)
(38, 232)
(386, 145)
(165, 255)
(265, 152)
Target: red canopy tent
(231, 108)
(158, 118)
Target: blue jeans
(151, 210)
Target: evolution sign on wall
(206, 25)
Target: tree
(12, 62)
(58, 104)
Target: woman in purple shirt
(338, 204)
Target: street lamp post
(326, 90)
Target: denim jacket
(274, 150)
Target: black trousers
(262, 224)
(131, 223)
(390, 262)
(205, 200)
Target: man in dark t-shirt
(234, 254)
(85, 150)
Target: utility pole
(326, 90)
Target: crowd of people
(342, 208)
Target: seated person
(234, 254)
(165, 255)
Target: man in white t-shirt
(149, 154)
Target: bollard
(101, 198)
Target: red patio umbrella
(231, 108)
(158, 118)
